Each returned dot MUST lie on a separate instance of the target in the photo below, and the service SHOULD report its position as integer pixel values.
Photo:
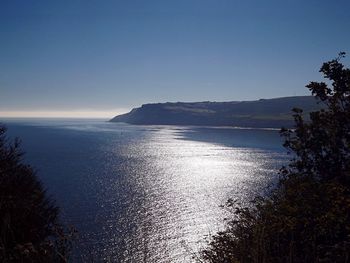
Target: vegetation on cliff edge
(29, 227)
(307, 217)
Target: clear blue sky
(109, 55)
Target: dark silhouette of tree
(322, 145)
(307, 217)
(29, 229)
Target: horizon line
(86, 114)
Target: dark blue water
(146, 193)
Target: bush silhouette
(29, 229)
(307, 217)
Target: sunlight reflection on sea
(148, 194)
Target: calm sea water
(146, 193)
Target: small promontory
(263, 113)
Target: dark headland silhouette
(263, 113)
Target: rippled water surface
(146, 193)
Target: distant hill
(266, 113)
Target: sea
(147, 193)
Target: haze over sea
(146, 193)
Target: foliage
(29, 229)
(307, 217)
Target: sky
(101, 58)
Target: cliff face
(259, 113)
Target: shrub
(307, 217)
(29, 228)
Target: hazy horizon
(100, 114)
